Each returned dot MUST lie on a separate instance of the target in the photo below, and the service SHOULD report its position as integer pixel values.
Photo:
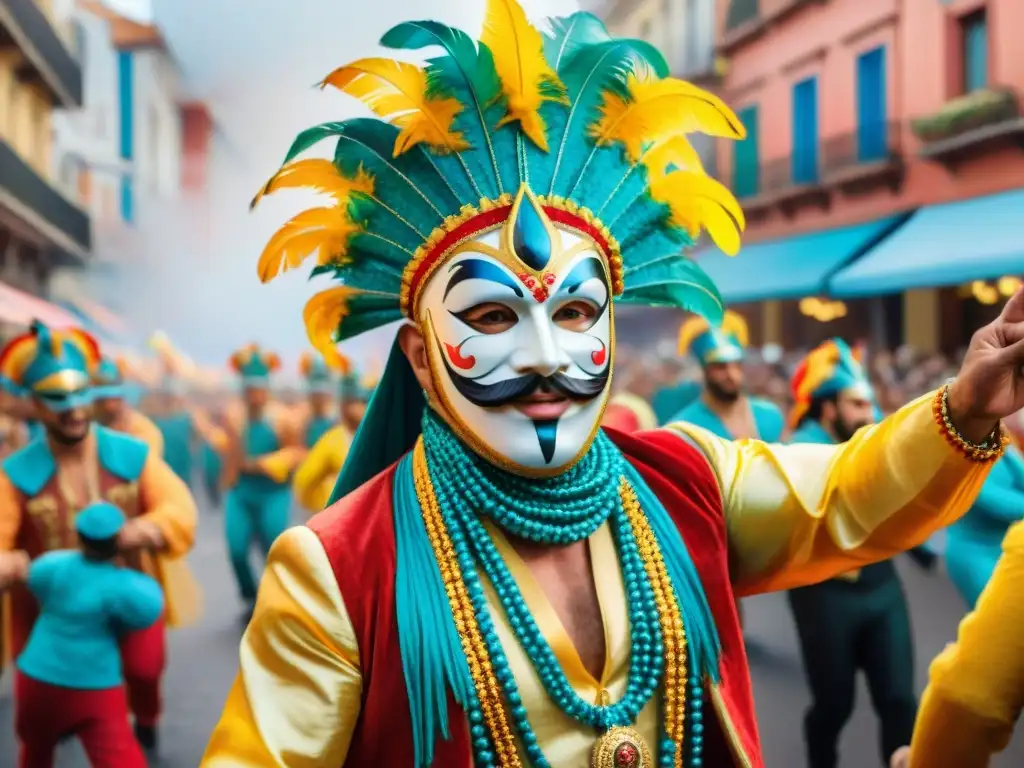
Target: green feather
(311, 137)
(675, 281)
(366, 312)
(569, 34)
(468, 74)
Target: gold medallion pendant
(621, 748)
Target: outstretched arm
(800, 514)
(297, 696)
(976, 691)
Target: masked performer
(263, 454)
(112, 410)
(501, 582)
(858, 621)
(723, 408)
(70, 681)
(317, 474)
(44, 486)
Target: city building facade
(864, 117)
(41, 227)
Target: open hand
(990, 384)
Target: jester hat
(54, 366)
(828, 370)
(319, 374)
(108, 379)
(724, 343)
(255, 364)
(569, 128)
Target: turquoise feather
(570, 34)
(432, 656)
(701, 632)
(369, 311)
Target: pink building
(885, 137)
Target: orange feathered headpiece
(49, 360)
(829, 369)
(254, 363)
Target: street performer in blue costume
(499, 581)
(77, 463)
(723, 408)
(859, 620)
(321, 384)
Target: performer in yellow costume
(975, 694)
(500, 582)
(317, 474)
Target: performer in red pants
(69, 677)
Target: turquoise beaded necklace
(559, 510)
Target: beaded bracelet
(988, 450)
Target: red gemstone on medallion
(549, 278)
(598, 357)
(540, 294)
(531, 282)
(627, 756)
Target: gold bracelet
(990, 449)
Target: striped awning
(22, 308)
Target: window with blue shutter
(974, 31)
(745, 171)
(871, 111)
(805, 131)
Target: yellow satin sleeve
(318, 472)
(800, 514)
(296, 699)
(976, 688)
(10, 514)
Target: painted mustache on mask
(507, 391)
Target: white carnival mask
(519, 332)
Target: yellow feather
(673, 151)
(323, 230)
(396, 91)
(699, 202)
(319, 175)
(322, 315)
(659, 108)
(527, 80)
(734, 325)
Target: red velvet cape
(359, 538)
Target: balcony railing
(64, 223)
(23, 24)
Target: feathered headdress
(109, 377)
(589, 128)
(320, 372)
(724, 343)
(45, 361)
(829, 369)
(254, 364)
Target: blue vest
(84, 608)
(260, 439)
(768, 419)
(32, 467)
(178, 445)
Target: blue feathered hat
(53, 365)
(588, 129)
(255, 365)
(108, 379)
(826, 371)
(317, 373)
(722, 343)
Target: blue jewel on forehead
(530, 238)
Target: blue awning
(947, 244)
(793, 267)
